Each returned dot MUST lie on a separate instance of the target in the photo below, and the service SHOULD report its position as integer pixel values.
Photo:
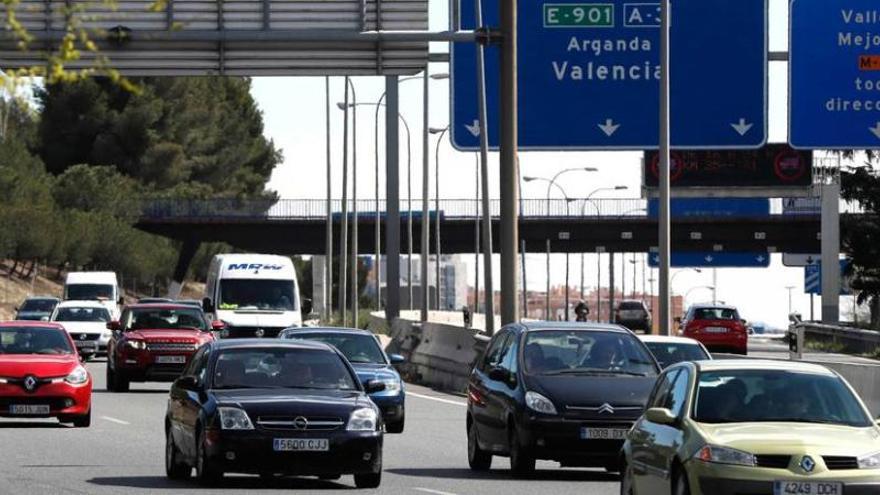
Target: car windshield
(257, 294)
(715, 314)
(630, 305)
(159, 319)
(669, 353)
(585, 352)
(34, 340)
(39, 305)
(82, 314)
(89, 292)
(357, 348)
(281, 367)
(735, 396)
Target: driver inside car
(602, 355)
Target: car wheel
(206, 472)
(83, 421)
(329, 477)
(175, 468)
(478, 459)
(396, 427)
(626, 481)
(110, 378)
(680, 483)
(522, 462)
(369, 480)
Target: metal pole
(567, 284)
(715, 286)
(830, 221)
(426, 188)
(343, 243)
(484, 174)
(328, 248)
(392, 191)
(477, 237)
(509, 185)
(409, 229)
(623, 275)
(611, 287)
(437, 214)
(583, 269)
(665, 225)
(598, 287)
(354, 227)
(525, 287)
(547, 294)
(377, 228)
(635, 276)
(644, 266)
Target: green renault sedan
(752, 427)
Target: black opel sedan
(272, 407)
(558, 391)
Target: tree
(861, 238)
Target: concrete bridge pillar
(187, 253)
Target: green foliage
(861, 238)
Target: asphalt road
(123, 452)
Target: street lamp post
(589, 200)
(441, 132)
(354, 208)
(789, 288)
(343, 242)
(328, 248)
(688, 293)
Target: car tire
(396, 427)
(680, 483)
(368, 480)
(116, 383)
(83, 421)
(478, 459)
(626, 481)
(522, 462)
(175, 468)
(206, 472)
(329, 477)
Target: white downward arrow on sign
(709, 259)
(742, 127)
(875, 130)
(609, 127)
(760, 259)
(474, 128)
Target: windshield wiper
(804, 420)
(593, 371)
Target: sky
(294, 114)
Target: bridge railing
(220, 209)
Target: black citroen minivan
(566, 392)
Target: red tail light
(475, 397)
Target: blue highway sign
(589, 75)
(813, 279)
(713, 208)
(834, 74)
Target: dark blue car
(363, 351)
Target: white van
(255, 295)
(94, 286)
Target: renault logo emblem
(606, 408)
(808, 464)
(30, 383)
(300, 423)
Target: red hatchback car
(154, 342)
(719, 328)
(41, 375)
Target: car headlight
(725, 455)
(3, 381)
(233, 418)
(538, 403)
(392, 386)
(78, 376)
(106, 334)
(870, 461)
(137, 345)
(364, 419)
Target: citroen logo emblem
(300, 423)
(606, 408)
(30, 383)
(808, 464)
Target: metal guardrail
(220, 209)
(850, 340)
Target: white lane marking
(434, 492)
(437, 399)
(114, 420)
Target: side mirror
(188, 382)
(373, 386)
(396, 359)
(499, 374)
(306, 306)
(207, 305)
(121, 301)
(44, 318)
(114, 325)
(660, 415)
(217, 325)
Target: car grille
(600, 412)
(295, 423)
(249, 332)
(171, 347)
(835, 463)
(55, 403)
(773, 461)
(85, 336)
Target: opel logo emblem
(30, 383)
(808, 464)
(606, 408)
(259, 333)
(300, 423)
